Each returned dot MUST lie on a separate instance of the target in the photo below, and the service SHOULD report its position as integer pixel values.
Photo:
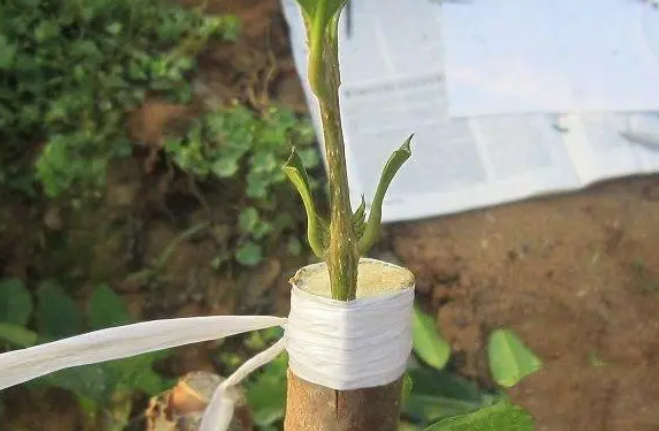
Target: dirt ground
(575, 275)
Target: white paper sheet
(529, 56)
(393, 85)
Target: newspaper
(393, 85)
(551, 56)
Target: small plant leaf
(263, 161)
(57, 314)
(294, 170)
(7, 53)
(248, 219)
(439, 394)
(262, 229)
(257, 185)
(137, 373)
(266, 394)
(15, 302)
(445, 384)
(310, 157)
(249, 254)
(408, 384)
(90, 383)
(18, 335)
(502, 416)
(359, 216)
(107, 309)
(392, 166)
(225, 167)
(510, 360)
(427, 342)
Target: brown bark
(311, 407)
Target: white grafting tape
(19, 366)
(339, 345)
(349, 345)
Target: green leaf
(294, 170)
(431, 408)
(444, 384)
(150, 382)
(107, 309)
(501, 416)
(392, 166)
(266, 395)
(261, 230)
(359, 217)
(15, 302)
(225, 167)
(90, 382)
(7, 53)
(249, 254)
(360, 213)
(96, 384)
(57, 314)
(259, 340)
(46, 30)
(248, 219)
(257, 184)
(18, 335)
(310, 158)
(136, 373)
(408, 384)
(263, 162)
(439, 394)
(427, 342)
(510, 360)
(114, 28)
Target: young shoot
(348, 235)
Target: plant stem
(342, 256)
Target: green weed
(69, 72)
(242, 150)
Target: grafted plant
(347, 235)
